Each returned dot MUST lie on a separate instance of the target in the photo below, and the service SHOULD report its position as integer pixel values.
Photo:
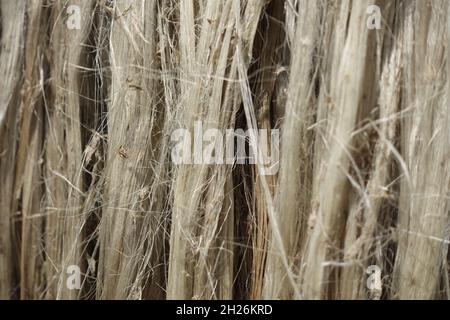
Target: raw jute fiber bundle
(351, 101)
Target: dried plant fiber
(93, 205)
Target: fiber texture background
(92, 91)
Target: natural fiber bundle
(123, 126)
